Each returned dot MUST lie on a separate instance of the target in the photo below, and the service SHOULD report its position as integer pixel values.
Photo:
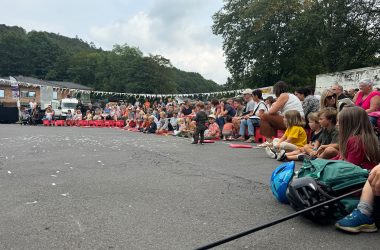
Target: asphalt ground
(106, 188)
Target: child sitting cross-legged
(326, 146)
(152, 127)
(213, 131)
(308, 148)
(294, 137)
(145, 125)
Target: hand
(374, 180)
(321, 149)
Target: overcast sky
(180, 30)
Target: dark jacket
(152, 128)
(201, 119)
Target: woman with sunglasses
(328, 99)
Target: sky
(179, 30)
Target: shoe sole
(359, 229)
(270, 153)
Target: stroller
(25, 117)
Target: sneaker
(356, 222)
(271, 153)
(194, 142)
(281, 156)
(250, 140)
(302, 157)
(265, 144)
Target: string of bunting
(101, 93)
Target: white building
(349, 79)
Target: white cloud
(179, 30)
(188, 43)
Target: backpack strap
(258, 105)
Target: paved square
(103, 188)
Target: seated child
(180, 127)
(69, 115)
(98, 115)
(213, 131)
(358, 143)
(49, 114)
(163, 123)
(88, 115)
(227, 131)
(145, 125)
(326, 146)
(188, 128)
(153, 126)
(316, 131)
(78, 115)
(173, 123)
(294, 137)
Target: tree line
(51, 56)
(295, 40)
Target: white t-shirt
(260, 106)
(293, 103)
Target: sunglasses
(330, 97)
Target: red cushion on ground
(208, 141)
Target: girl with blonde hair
(294, 137)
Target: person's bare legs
(295, 152)
(329, 153)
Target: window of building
(55, 95)
(24, 94)
(2, 93)
(31, 94)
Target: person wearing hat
(213, 131)
(245, 122)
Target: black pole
(288, 217)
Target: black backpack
(322, 180)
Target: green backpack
(334, 178)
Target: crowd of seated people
(339, 124)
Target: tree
(124, 69)
(294, 40)
(42, 53)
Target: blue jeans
(246, 123)
(220, 121)
(373, 120)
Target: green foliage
(124, 69)
(294, 40)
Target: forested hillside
(51, 56)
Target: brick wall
(8, 101)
